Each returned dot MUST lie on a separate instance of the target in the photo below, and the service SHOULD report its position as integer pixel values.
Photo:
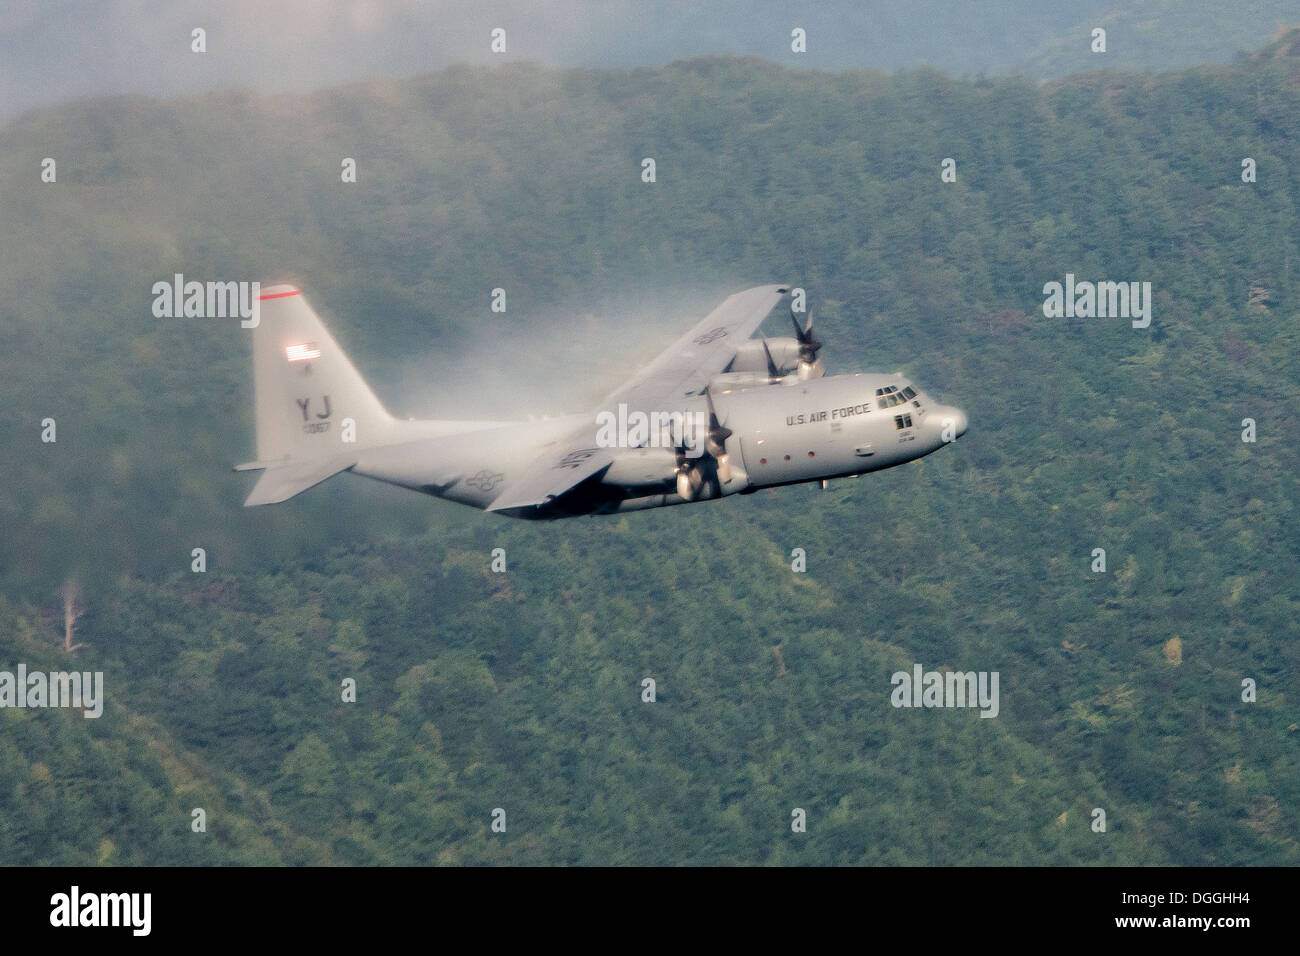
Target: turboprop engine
(768, 361)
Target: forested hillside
(1154, 35)
(1121, 690)
(1043, 38)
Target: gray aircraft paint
(783, 431)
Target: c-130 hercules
(716, 414)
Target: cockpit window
(889, 395)
(902, 421)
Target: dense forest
(1121, 690)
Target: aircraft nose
(957, 417)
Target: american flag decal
(302, 353)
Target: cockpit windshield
(892, 395)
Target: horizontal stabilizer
(283, 481)
(259, 465)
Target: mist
(54, 52)
(554, 361)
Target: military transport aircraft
(718, 413)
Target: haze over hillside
(1122, 688)
(51, 52)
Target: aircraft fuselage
(818, 429)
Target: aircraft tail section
(280, 482)
(313, 409)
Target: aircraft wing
(686, 366)
(682, 370)
(554, 474)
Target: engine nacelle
(750, 356)
(725, 382)
(751, 360)
(639, 467)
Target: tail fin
(313, 408)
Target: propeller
(691, 474)
(808, 346)
(773, 372)
(717, 441)
(689, 478)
